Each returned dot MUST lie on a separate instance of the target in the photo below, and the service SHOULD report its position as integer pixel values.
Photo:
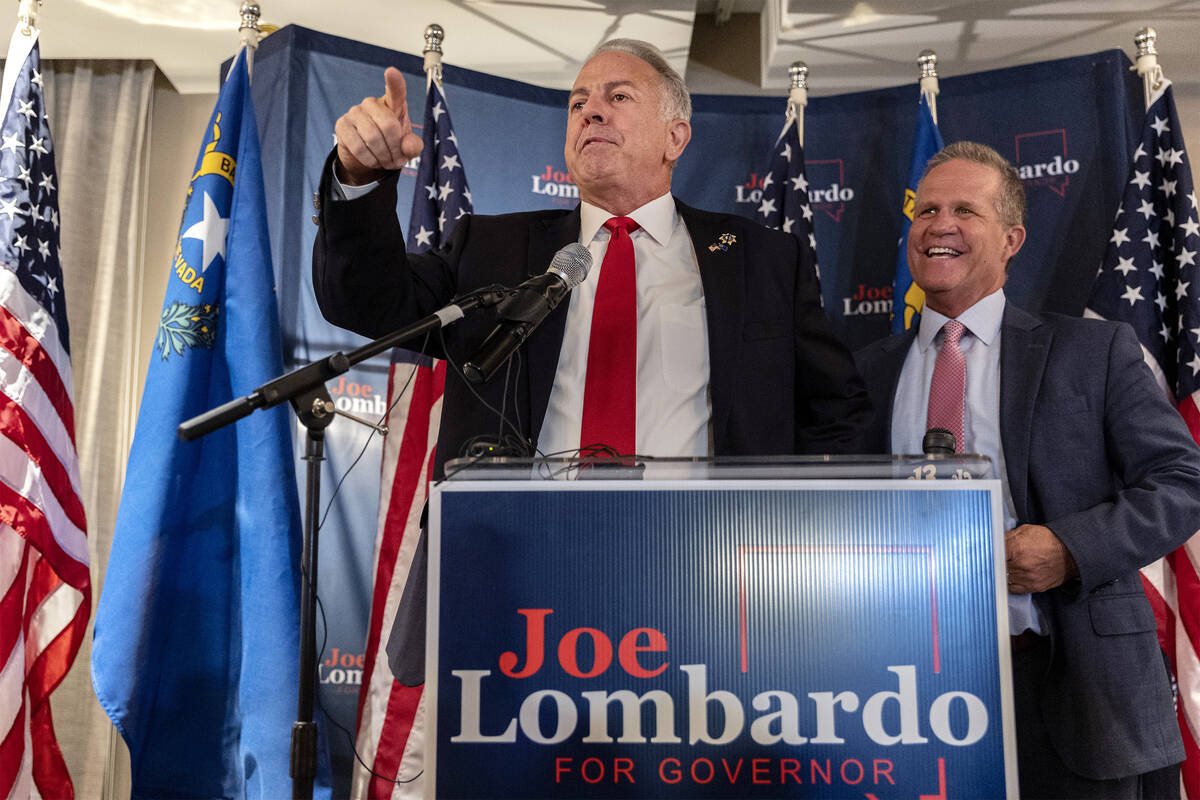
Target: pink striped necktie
(610, 389)
(948, 389)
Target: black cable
(321, 606)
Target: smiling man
(1099, 475)
(672, 346)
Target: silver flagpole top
(798, 96)
(798, 72)
(249, 30)
(1145, 40)
(434, 35)
(250, 16)
(27, 13)
(927, 61)
(1146, 63)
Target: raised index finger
(396, 93)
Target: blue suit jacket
(780, 381)
(1094, 452)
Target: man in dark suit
(1099, 473)
(733, 354)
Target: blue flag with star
(785, 204)
(907, 297)
(1150, 276)
(197, 629)
(442, 195)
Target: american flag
(391, 714)
(45, 590)
(1150, 279)
(785, 204)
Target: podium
(750, 628)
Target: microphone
(530, 303)
(938, 442)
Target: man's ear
(1014, 238)
(679, 133)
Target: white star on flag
(211, 231)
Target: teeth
(942, 251)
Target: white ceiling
(848, 46)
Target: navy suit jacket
(780, 381)
(1094, 452)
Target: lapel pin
(723, 242)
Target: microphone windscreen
(938, 440)
(572, 263)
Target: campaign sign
(641, 639)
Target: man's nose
(593, 110)
(941, 222)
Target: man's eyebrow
(608, 87)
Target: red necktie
(948, 389)
(610, 392)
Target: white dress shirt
(673, 406)
(981, 349)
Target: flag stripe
(13, 753)
(401, 711)
(18, 344)
(40, 529)
(37, 322)
(19, 388)
(31, 464)
(1164, 617)
(399, 501)
(55, 645)
(1190, 409)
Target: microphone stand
(305, 389)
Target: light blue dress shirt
(981, 349)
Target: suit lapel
(546, 237)
(1024, 345)
(721, 273)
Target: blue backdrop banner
(1068, 125)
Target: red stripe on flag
(49, 769)
(1164, 620)
(1189, 408)
(401, 710)
(24, 432)
(29, 351)
(29, 521)
(53, 663)
(1187, 594)
(12, 615)
(413, 443)
(12, 752)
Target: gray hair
(676, 101)
(1010, 200)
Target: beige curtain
(100, 114)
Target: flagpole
(249, 31)
(1146, 64)
(798, 96)
(434, 36)
(927, 61)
